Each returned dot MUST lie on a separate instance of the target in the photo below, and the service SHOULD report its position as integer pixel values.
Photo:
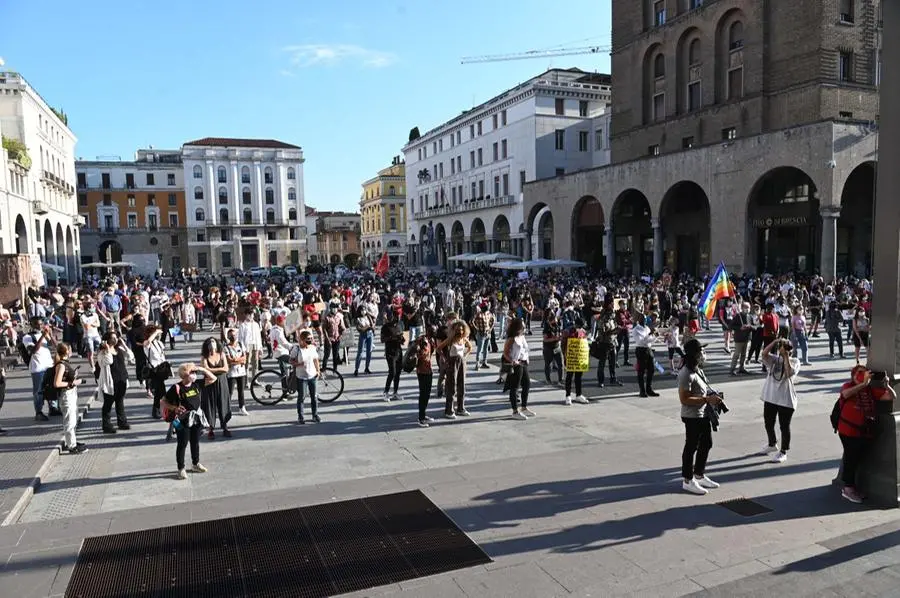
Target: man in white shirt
(90, 322)
(642, 341)
(250, 335)
(38, 343)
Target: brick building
(743, 131)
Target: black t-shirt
(184, 396)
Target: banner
(293, 321)
(578, 355)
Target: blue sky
(346, 80)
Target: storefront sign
(780, 221)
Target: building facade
(134, 211)
(743, 131)
(312, 243)
(38, 213)
(338, 238)
(383, 215)
(245, 203)
(464, 178)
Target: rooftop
(233, 142)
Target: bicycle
(270, 386)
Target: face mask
(192, 378)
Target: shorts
(91, 344)
(861, 339)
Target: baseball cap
(693, 347)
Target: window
(560, 139)
(736, 36)
(104, 178)
(108, 223)
(246, 197)
(201, 259)
(107, 199)
(425, 152)
(199, 215)
(198, 172)
(201, 236)
(223, 216)
(452, 168)
(659, 13)
(291, 175)
(522, 176)
(247, 217)
(694, 52)
(221, 175)
(173, 220)
(441, 170)
(223, 196)
(560, 172)
(474, 190)
(393, 223)
(503, 147)
(434, 148)
(503, 118)
(481, 189)
(132, 221)
(735, 83)
(173, 200)
(659, 107)
(495, 120)
(245, 175)
(129, 180)
(479, 128)
(174, 240)
(480, 162)
(198, 192)
(693, 96)
(847, 12)
(583, 141)
(452, 140)
(659, 66)
(598, 140)
(292, 194)
(496, 186)
(441, 144)
(150, 180)
(695, 4)
(151, 199)
(420, 153)
(687, 142)
(267, 175)
(226, 259)
(845, 66)
(170, 179)
(653, 150)
(176, 263)
(270, 216)
(458, 137)
(472, 159)
(582, 108)
(505, 183)
(845, 114)
(271, 236)
(559, 106)
(729, 133)
(225, 234)
(152, 223)
(453, 195)
(82, 199)
(292, 234)
(471, 131)
(292, 214)
(270, 196)
(82, 180)
(496, 148)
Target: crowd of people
(427, 324)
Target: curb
(16, 512)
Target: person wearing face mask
(182, 401)
(90, 323)
(642, 338)
(779, 397)
(113, 380)
(305, 359)
(332, 328)
(694, 394)
(236, 354)
(250, 337)
(742, 329)
(216, 397)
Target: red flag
(383, 264)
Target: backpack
(411, 358)
(48, 385)
(836, 414)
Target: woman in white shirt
(156, 357)
(516, 354)
(305, 359)
(779, 396)
(281, 346)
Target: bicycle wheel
(330, 386)
(267, 387)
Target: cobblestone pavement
(581, 500)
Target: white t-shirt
(91, 325)
(518, 352)
(306, 357)
(41, 359)
(236, 370)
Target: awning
(52, 267)
(464, 257)
(493, 257)
(569, 264)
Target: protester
(182, 403)
(694, 393)
(779, 396)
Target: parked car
(259, 271)
(291, 271)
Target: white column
(235, 189)
(280, 198)
(260, 201)
(609, 249)
(212, 194)
(657, 246)
(830, 216)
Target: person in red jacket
(857, 408)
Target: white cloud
(309, 55)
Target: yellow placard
(578, 355)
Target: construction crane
(537, 54)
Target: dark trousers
(697, 444)
(240, 381)
(519, 379)
(835, 337)
(756, 345)
(334, 350)
(455, 385)
(607, 355)
(577, 377)
(645, 369)
(623, 340)
(302, 387)
(184, 436)
(425, 381)
(158, 388)
(552, 357)
(394, 363)
(117, 399)
(526, 319)
(784, 415)
(855, 448)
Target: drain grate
(310, 552)
(744, 507)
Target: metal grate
(744, 507)
(310, 552)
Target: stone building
(382, 209)
(338, 238)
(743, 131)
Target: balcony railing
(125, 230)
(39, 207)
(471, 205)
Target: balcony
(78, 220)
(39, 207)
(472, 205)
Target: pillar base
(878, 476)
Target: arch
(335, 258)
(270, 216)
(223, 216)
(393, 244)
(856, 222)
(198, 192)
(21, 236)
(245, 174)
(221, 174)
(110, 252)
(588, 223)
(501, 233)
(49, 247)
(544, 235)
(267, 175)
(659, 66)
(654, 87)
(292, 194)
(684, 219)
(457, 238)
(729, 81)
(783, 222)
(688, 71)
(440, 242)
(292, 214)
(246, 196)
(60, 246)
(199, 215)
(478, 237)
(270, 195)
(71, 264)
(248, 216)
(198, 171)
(291, 175)
(632, 233)
(223, 195)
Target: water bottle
(176, 423)
(659, 367)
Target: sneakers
(693, 486)
(449, 416)
(582, 399)
(518, 415)
(423, 424)
(779, 457)
(652, 393)
(852, 495)
(182, 474)
(767, 450)
(527, 412)
(462, 413)
(396, 397)
(243, 411)
(707, 483)
(198, 468)
(428, 419)
(386, 397)
(40, 416)
(317, 419)
(77, 449)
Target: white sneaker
(449, 416)
(779, 457)
(429, 419)
(182, 474)
(582, 399)
(387, 397)
(694, 487)
(705, 482)
(198, 468)
(767, 450)
(243, 411)
(568, 400)
(527, 412)
(396, 397)
(463, 413)
(518, 415)
(423, 423)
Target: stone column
(212, 193)
(609, 249)
(879, 477)
(235, 189)
(830, 216)
(657, 246)
(258, 189)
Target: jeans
(414, 332)
(425, 381)
(365, 340)
(395, 366)
(36, 379)
(553, 357)
(739, 356)
(577, 376)
(697, 444)
(333, 349)
(185, 435)
(302, 387)
(481, 348)
(784, 415)
(801, 344)
(501, 321)
(518, 378)
(239, 382)
(68, 401)
(855, 448)
(834, 336)
(526, 319)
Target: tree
(414, 134)
(351, 260)
(17, 152)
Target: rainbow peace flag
(719, 287)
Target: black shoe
(109, 429)
(548, 381)
(356, 373)
(643, 395)
(627, 363)
(54, 412)
(301, 421)
(652, 393)
(618, 383)
(40, 417)
(124, 426)
(601, 384)
(368, 372)
(226, 433)
(155, 414)
(3, 432)
(317, 419)
(77, 449)
(744, 372)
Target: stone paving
(582, 500)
